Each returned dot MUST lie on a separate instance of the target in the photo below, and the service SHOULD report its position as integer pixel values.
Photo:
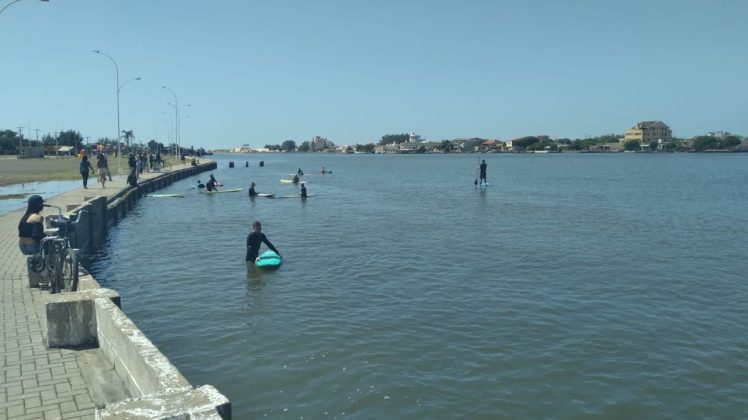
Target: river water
(601, 284)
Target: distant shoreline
(527, 152)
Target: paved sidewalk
(37, 382)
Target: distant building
(319, 143)
(646, 132)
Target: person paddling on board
(252, 192)
(212, 184)
(200, 185)
(303, 190)
(323, 170)
(295, 179)
(483, 173)
(299, 172)
(254, 240)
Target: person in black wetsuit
(132, 164)
(31, 227)
(303, 190)
(483, 172)
(200, 185)
(254, 240)
(295, 179)
(300, 172)
(252, 192)
(212, 184)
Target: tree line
(12, 142)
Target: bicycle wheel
(69, 270)
(54, 267)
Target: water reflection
(13, 197)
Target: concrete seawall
(122, 373)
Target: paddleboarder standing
(254, 240)
(483, 172)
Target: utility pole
(37, 141)
(20, 139)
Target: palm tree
(128, 135)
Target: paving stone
(32, 402)
(68, 407)
(16, 411)
(53, 414)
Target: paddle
(477, 171)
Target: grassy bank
(19, 171)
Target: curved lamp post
(12, 2)
(176, 121)
(119, 87)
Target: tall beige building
(648, 131)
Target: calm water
(45, 189)
(606, 285)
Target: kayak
(268, 259)
(296, 196)
(164, 195)
(221, 191)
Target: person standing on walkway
(254, 240)
(133, 164)
(103, 168)
(31, 227)
(85, 166)
(483, 173)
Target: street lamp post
(119, 87)
(176, 122)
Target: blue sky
(263, 72)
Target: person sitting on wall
(31, 226)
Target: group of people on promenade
(143, 162)
(102, 169)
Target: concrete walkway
(37, 382)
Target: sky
(262, 72)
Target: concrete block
(71, 317)
(144, 369)
(201, 403)
(34, 277)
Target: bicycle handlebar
(64, 220)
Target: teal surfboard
(268, 259)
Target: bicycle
(57, 261)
